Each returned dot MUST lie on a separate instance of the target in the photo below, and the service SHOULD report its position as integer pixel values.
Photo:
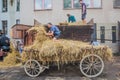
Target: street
(111, 72)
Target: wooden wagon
(91, 65)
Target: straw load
(11, 59)
(72, 24)
(62, 51)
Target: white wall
(27, 12)
(11, 15)
(105, 15)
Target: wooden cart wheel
(91, 65)
(33, 68)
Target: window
(18, 21)
(4, 26)
(43, 4)
(116, 4)
(4, 6)
(18, 5)
(113, 34)
(71, 4)
(68, 4)
(102, 34)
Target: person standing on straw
(84, 11)
(53, 31)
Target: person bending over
(54, 31)
(71, 18)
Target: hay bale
(62, 51)
(76, 23)
(11, 59)
(72, 24)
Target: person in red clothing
(84, 11)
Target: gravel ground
(111, 72)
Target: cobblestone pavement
(111, 72)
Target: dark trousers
(1, 58)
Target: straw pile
(10, 59)
(62, 51)
(72, 24)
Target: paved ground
(111, 72)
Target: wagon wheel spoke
(36, 70)
(93, 71)
(96, 68)
(85, 65)
(96, 60)
(28, 66)
(85, 61)
(97, 63)
(89, 59)
(30, 71)
(92, 59)
(86, 68)
(90, 71)
(93, 67)
(33, 68)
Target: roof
(21, 25)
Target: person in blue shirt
(53, 31)
(71, 18)
(84, 11)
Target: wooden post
(119, 35)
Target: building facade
(9, 15)
(106, 14)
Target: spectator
(5, 43)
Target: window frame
(114, 6)
(102, 40)
(17, 6)
(43, 9)
(5, 31)
(6, 7)
(17, 21)
(80, 7)
(114, 37)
